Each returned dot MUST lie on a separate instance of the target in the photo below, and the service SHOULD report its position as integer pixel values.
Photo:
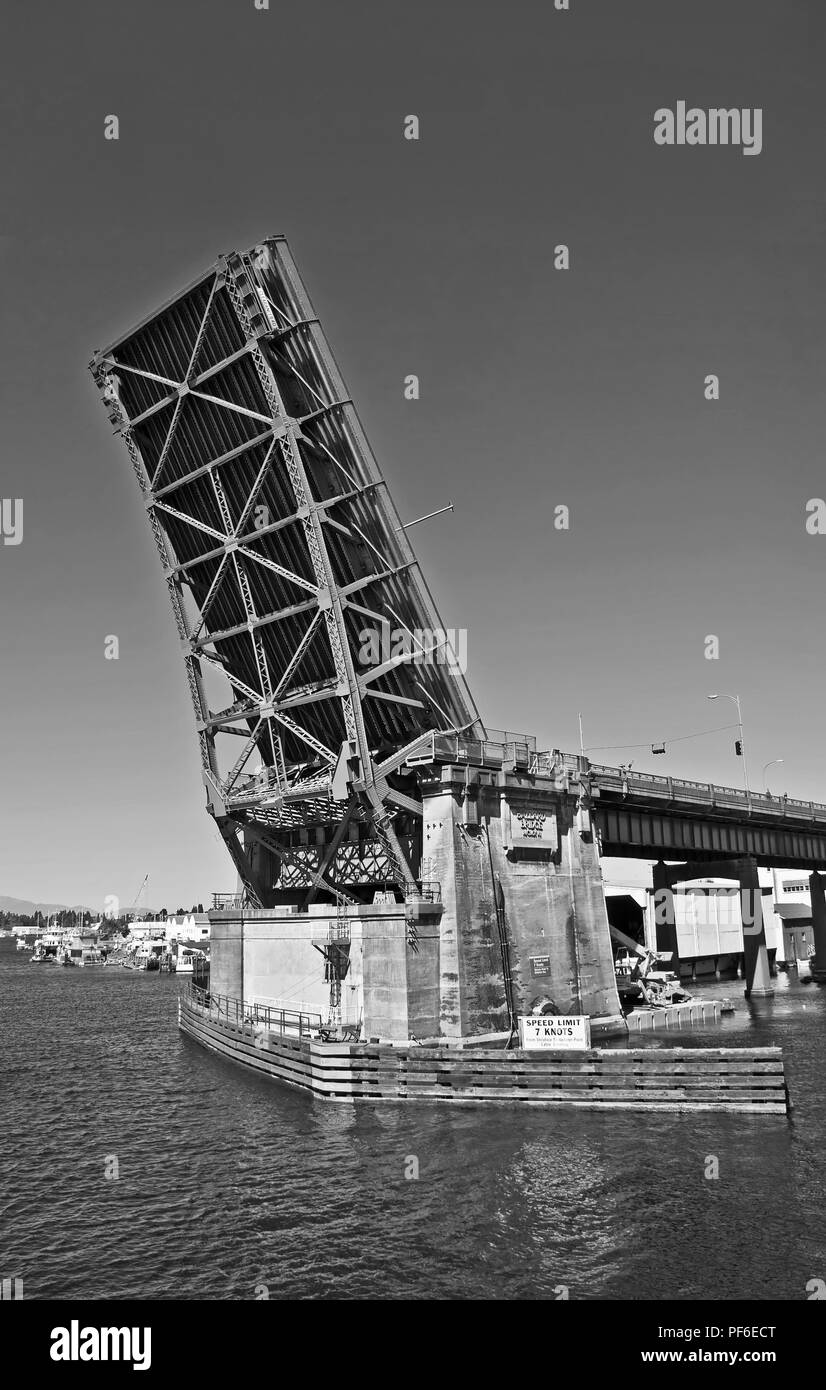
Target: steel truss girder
(632, 831)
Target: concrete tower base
(512, 921)
(524, 925)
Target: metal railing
(496, 749)
(429, 892)
(228, 1009)
(704, 793)
(504, 737)
(289, 1005)
(228, 901)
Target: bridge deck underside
(638, 832)
(205, 403)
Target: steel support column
(665, 921)
(818, 897)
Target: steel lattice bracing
(280, 546)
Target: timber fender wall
(739, 1079)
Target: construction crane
(133, 910)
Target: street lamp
(735, 699)
(765, 770)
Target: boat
(90, 955)
(183, 961)
(42, 956)
(80, 950)
(149, 953)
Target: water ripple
(227, 1182)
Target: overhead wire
(650, 743)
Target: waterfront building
(709, 924)
(191, 927)
(792, 906)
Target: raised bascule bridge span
(343, 756)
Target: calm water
(228, 1182)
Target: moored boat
(42, 957)
(183, 961)
(149, 953)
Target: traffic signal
(738, 748)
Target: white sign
(551, 1031)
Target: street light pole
(765, 770)
(735, 699)
(743, 748)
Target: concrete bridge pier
(818, 896)
(755, 955)
(524, 925)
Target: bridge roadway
(639, 815)
(716, 831)
(642, 816)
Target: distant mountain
(27, 909)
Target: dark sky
(538, 387)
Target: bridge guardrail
(499, 747)
(705, 793)
(226, 902)
(504, 737)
